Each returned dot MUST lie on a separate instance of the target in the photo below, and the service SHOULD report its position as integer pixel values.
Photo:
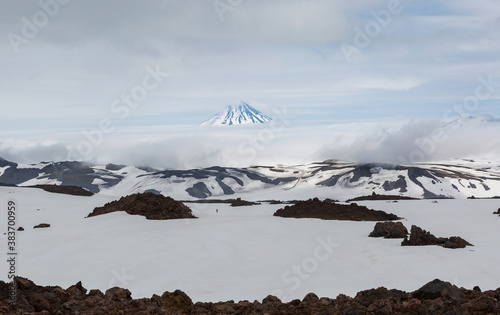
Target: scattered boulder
(497, 212)
(440, 289)
(41, 225)
(420, 237)
(389, 230)
(20, 228)
(150, 205)
(314, 208)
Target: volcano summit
(241, 114)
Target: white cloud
(289, 143)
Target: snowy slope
(241, 114)
(245, 253)
(329, 179)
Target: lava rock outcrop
(152, 206)
(420, 237)
(329, 210)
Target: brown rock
(456, 242)
(152, 206)
(24, 284)
(436, 297)
(41, 225)
(440, 289)
(372, 296)
(96, 292)
(310, 298)
(38, 302)
(420, 237)
(117, 294)
(482, 305)
(389, 230)
(327, 210)
(176, 302)
(77, 291)
(271, 300)
(238, 202)
(413, 306)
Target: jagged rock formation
(150, 205)
(436, 297)
(328, 210)
(420, 237)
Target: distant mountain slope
(241, 114)
(332, 179)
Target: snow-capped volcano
(241, 114)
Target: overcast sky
(73, 66)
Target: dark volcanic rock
(436, 297)
(41, 225)
(150, 205)
(238, 203)
(118, 294)
(440, 289)
(314, 208)
(369, 297)
(68, 190)
(389, 230)
(420, 237)
(456, 242)
(176, 301)
(375, 196)
(497, 212)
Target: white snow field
(245, 253)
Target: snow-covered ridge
(328, 179)
(241, 114)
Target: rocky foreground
(436, 297)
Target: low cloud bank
(184, 147)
